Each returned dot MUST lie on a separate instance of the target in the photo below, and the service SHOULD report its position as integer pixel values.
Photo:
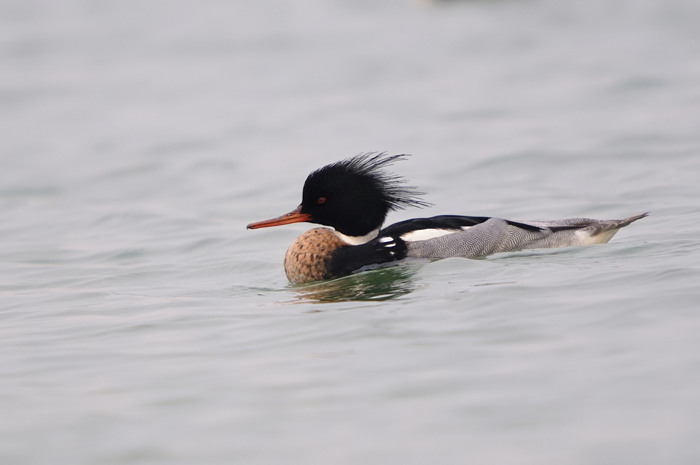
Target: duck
(351, 198)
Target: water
(141, 323)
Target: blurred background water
(141, 323)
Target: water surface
(141, 322)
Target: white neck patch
(357, 240)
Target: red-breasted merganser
(353, 196)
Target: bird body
(353, 197)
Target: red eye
(321, 200)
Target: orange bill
(295, 216)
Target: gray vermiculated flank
(496, 235)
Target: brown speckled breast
(308, 257)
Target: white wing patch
(425, 234)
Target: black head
(354, 195)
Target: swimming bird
(354, 196)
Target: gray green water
(141, 323)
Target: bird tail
(601, 232)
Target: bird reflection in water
(374, 285)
